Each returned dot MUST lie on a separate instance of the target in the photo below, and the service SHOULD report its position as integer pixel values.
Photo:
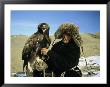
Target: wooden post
(52, 74)
(44, 72)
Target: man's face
(66, 38)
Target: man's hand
(44, 51)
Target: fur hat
(70, 29)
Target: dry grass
(17, 44)
(91, 48)
(91, 45)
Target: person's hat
(70, 29)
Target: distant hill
(96, 35)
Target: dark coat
(63, 57)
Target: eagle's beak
(44, 30)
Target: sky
(25, 22)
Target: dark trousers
(37, 73)
(76, 72)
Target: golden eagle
(31, 53)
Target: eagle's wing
(31, 44)
(32, 48)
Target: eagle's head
(43, 28)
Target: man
(31, 54)
(64, 55)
